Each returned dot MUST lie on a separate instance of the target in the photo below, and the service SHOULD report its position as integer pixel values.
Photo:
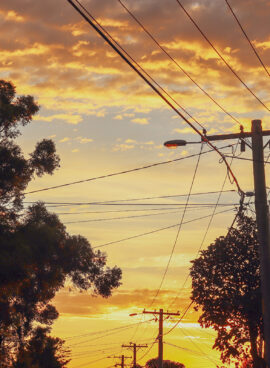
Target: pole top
(256, 125)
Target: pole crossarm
(122, 357)
(164, 313)
(221, 137)
(134, 347)
(161, 314)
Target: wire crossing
(248, 39)
(221, 57)
(120, 53)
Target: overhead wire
(247, 37)
(164, 212)
(119, 172)
(157, 230)
(135, 199)
(209, 224)
(120, 218)
(179, 227)
(220, 56)
(204, 138)
(139, 66)
(176, 63)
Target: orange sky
(105, 119)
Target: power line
(131, 210)
(246, 159)
(134, 199)
(208, 226)
(221, 57)
(139, 66)
(176, 63)
(119, 172)
(185, 349)
(120, 218)
(104, 331)
(179, 228)
(157, 230)
(101, 33)
(248, 39)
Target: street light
(177, 143)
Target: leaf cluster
(226, 289)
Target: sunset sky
(105, 119)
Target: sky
(104, 119)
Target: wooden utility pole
(134, 347)
(122, 357)
(262, 216)
(161, 313)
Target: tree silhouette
(226, 288)
(42, 351)
(153, 363)
(37, 255)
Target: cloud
(69, 69)
(123, 147)
(66, 139)
(82, 304)
(84, 140)
(118, 117)
(141, 121)
(70, 119)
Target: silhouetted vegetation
(37, 255)
(226, 288)
(153, 363)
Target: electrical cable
(198, 347)
(221, 57)
(138, 65)
(120, 218)
(248, 39)
(165, 212)
(185, 349)
(179, 228)
(103, 331)
(135, 199)
(247, 159)
(203, 137)
(176, 63)
(157, 230)
(208, 225)
(119, 172)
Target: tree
(153, 363)
(37, 255)
(42, 351)
(226, 288)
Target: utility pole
(122, 357)
(262, 215)
(161, 314)
(135, 347)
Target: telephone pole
(161, 314)
(262, 211)
(122, 357)
(135, 347)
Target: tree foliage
(226, 288)
(153, 363)
(37, 255)
(42, 351)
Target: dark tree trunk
(253, 334)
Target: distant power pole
(135, 347)
(160, 313)
(122, 357)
